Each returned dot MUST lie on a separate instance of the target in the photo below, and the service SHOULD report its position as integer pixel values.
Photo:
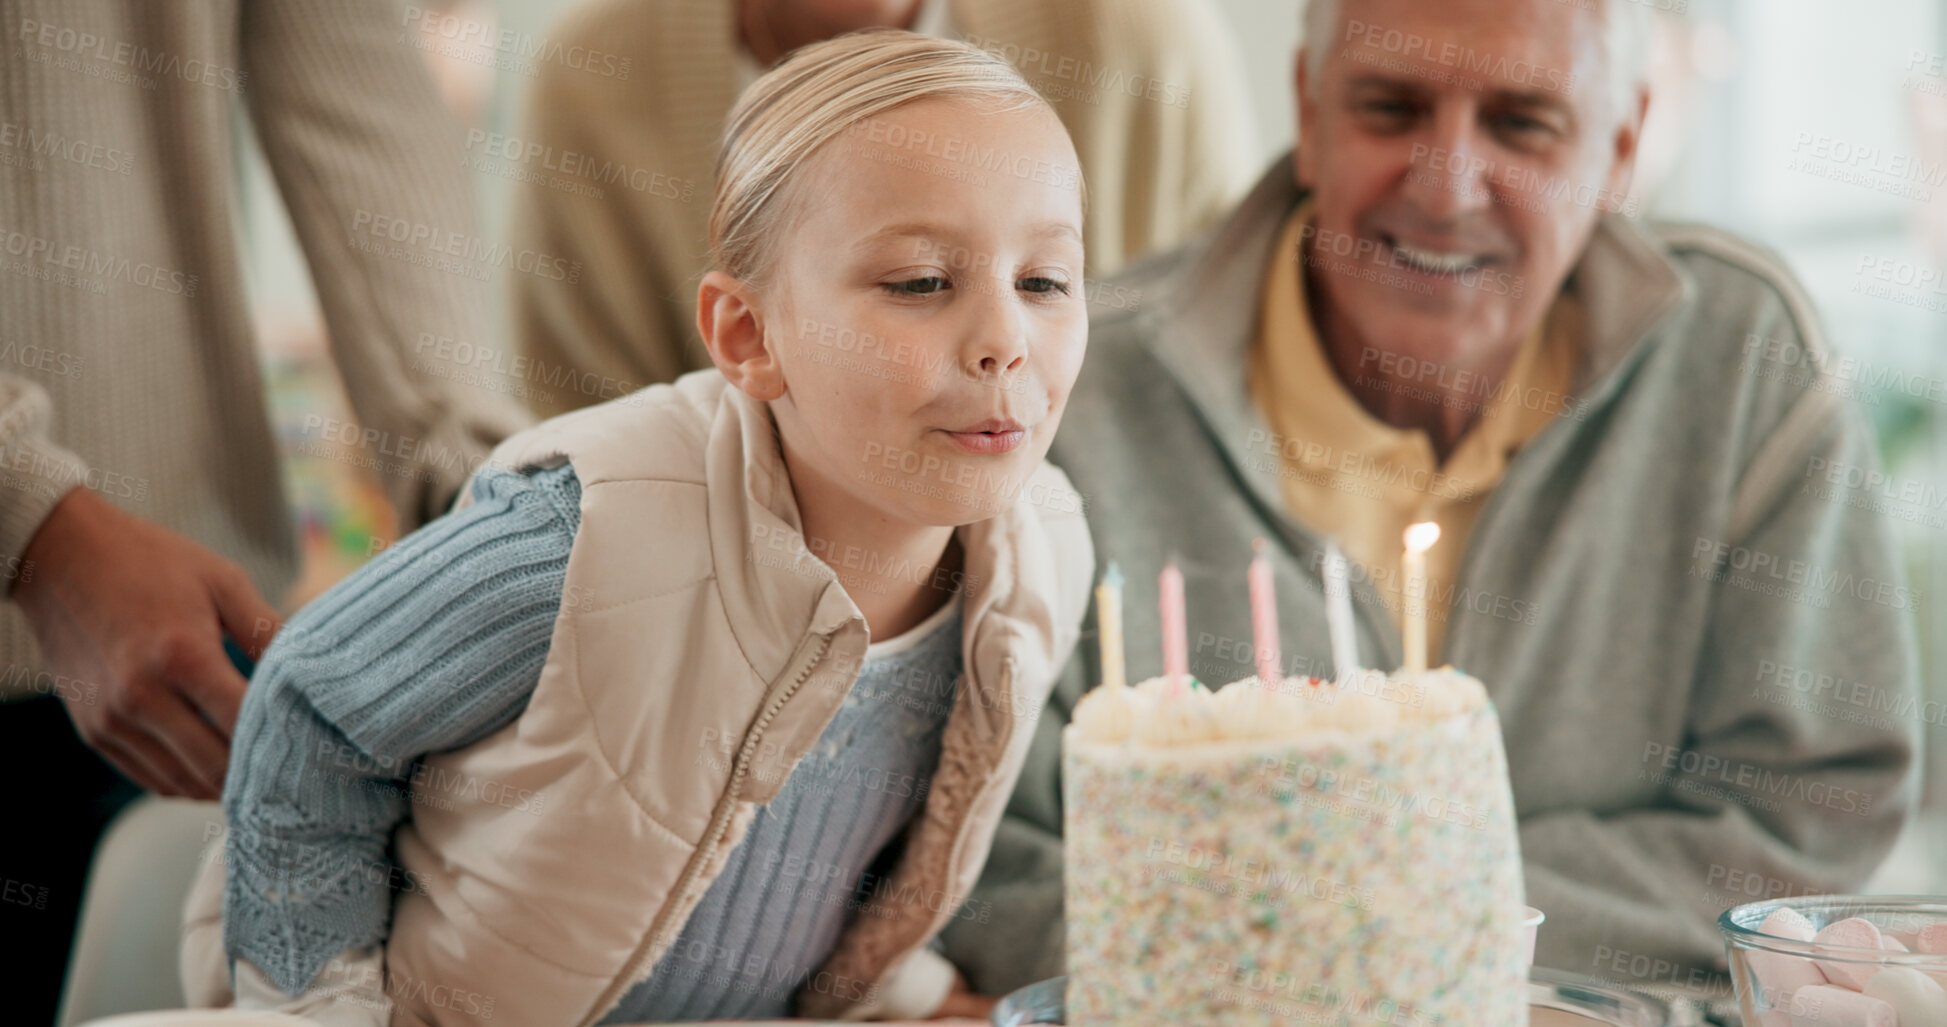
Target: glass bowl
(1772, 973)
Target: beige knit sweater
(127, 363)
(614, 163)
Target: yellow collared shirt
(1349, 475)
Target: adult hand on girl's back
(131, 618)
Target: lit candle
(1108, 621)
(1338, 613)
(1176, 639)
(1419, 538)
(1264, 617)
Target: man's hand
(962, 1002)
(140, 612)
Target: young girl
(707, 704)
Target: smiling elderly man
(1442, 309)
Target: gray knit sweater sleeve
(430, 647)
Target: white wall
(1267, 30)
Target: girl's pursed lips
(993, 436)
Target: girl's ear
(733, 328)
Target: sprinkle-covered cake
(1301, 852)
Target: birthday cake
(1299, 852)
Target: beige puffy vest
(697, 656)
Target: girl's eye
(1044, 285)
(917, 286)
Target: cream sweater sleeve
(915, 988)
(348, 992)
(1222, 155)
(34, 472)
(367, 159)
(1153, 95)
(633, 211)
(1184, 148)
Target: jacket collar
(1205, 323)
(775, 593)
(1628, 287)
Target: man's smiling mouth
(1431, 261)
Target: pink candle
(1264, 618)
(1176, 638)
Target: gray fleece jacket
(1700, 647)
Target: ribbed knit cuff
(348, 992)
(34, 475)
(913, 990)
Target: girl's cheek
(1064, 359)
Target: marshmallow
(1778, 974)
(1933, 939)
(1915, 996)
(1786, 922)
(1778, 1014)
(1823, 1005)
(1892, 944)
(1852, 933)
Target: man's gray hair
(1625, 38)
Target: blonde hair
(813, 96)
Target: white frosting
(1156, 714)
(1258, 711)
(1442, 693)
(1109, 712)
(1167, 718)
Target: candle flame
(1421, 537)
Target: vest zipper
(719, 823)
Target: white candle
(1419, 538)
(1338, 613)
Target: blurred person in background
(615, 153)
(143, 521)
(1440, 308)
